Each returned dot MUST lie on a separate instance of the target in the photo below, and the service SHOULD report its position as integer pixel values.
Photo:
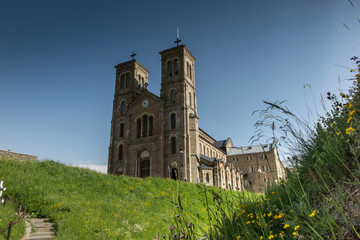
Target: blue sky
(57, 63)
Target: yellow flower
(297, 227)
(271, 236)
(349, 119)
(351, 70)
(269, 214)
(261, 237)
(286, 226)
(352, 112)
(238, 237)
(273, 193)
(312, 214)
(338, 133)
(349, 130)
(294, 233)
(248, 222)
(332, 125)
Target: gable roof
(250, 149)
(144, 94)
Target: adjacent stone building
(8, 155)
(159, 136)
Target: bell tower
(130, 81)
(181, 130)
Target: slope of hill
(88, 205)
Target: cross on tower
(133, 55)
(177, 38)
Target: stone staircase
(43, 229)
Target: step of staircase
(43, 229)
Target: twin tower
(151, 135)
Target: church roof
(203, 165)
(207, 158)
(250, 149)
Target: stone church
(159, 136)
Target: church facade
(159, 136)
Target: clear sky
(57, 61)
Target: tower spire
(177, 38)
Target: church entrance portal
(174, 173)
(145, 164)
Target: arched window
(138, 130)
(120, 154)
(139, 80)
(145, 164)
(173, 96)
(143, 82)
(176, 67)
(190, 71)
(194, 100)
(127, 80)
(173, 120)
(151, 120)
(123, 107)
(187, 69)
(173, 145)
(170, 68)
(122, 81)
(122, 126)
(207, 178)
(145, 125)
(189, 99)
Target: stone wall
(17, 156)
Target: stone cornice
(182, 48)
(131, 64)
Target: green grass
(7, 214)
(85, 204)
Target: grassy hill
(88, 205)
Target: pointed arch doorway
(144, 164)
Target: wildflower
(271, 236)
(338, 133)
(349, 119)
(248, 222)
(261, 237)
(351, 70)
(352, 112)
(269, 214)
(291, 211)
(349, 130)
(294, 233)
(273, 193)
(297, 227)
(312, 214)
(238, 237)
(286, 226)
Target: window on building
(139, 80)
(170, 68)
(173, 145)
(207, 178)
(173, 120)
(190, 70)
(173, 96)
(176, 67)
(249, 158)
(127, 80)
(123, 107)
(151, 123)
(251, 169)
(145, 168)
(194, 100)
(265, 168)
(122, 81)
(120, 154)
(138, 130)
(263, 157)
(145, 125)
(122, 127)
(189, 99)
